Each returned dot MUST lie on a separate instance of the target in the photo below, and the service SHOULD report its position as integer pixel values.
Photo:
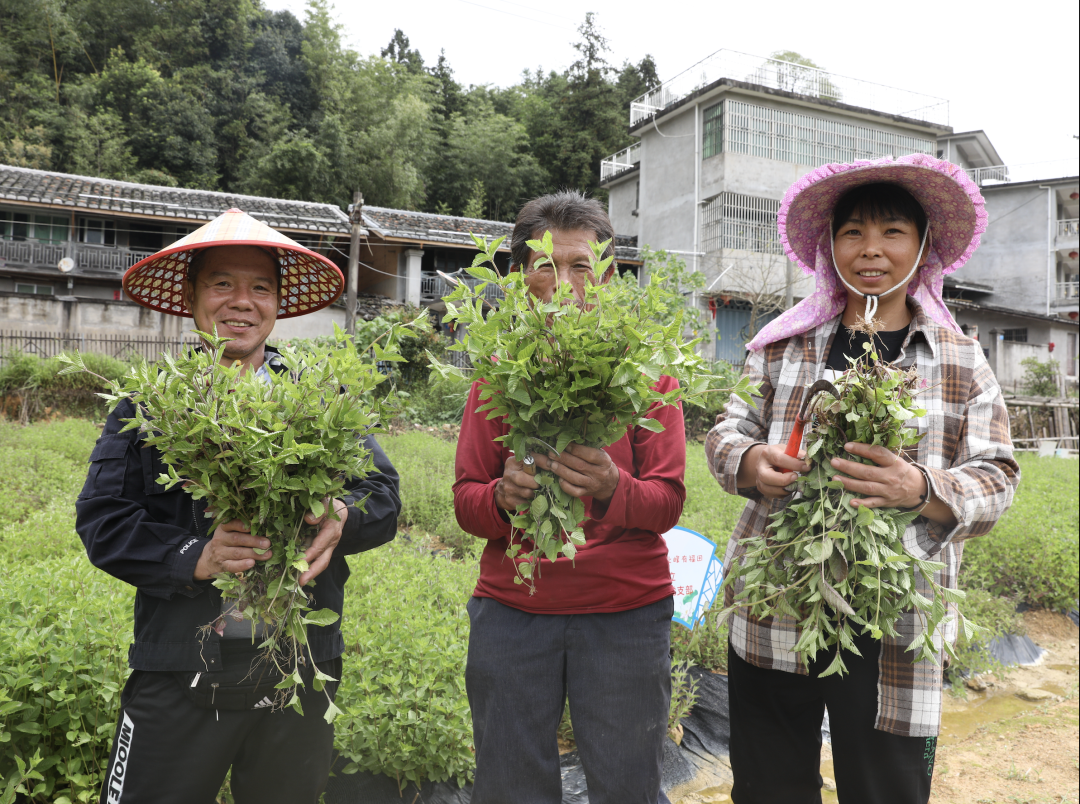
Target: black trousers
(169, 751)
(614, 670)
(776, 736)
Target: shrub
(45, 534)
(1032, 556)
(64, 639)
(1040, 379)
(437, 401)
(414, 348)
(425, 464)
(406, 632)
(33, 388)
(706, 645)
(43, 464)
(998, 616)
(700, 420)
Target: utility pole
(355, 217)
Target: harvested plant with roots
(568, 371)
(839, 569)
(265, 452)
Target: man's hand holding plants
(232, 549)
(321, 550)
(582, 471)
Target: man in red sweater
(596, 632)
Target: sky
(1010, 69)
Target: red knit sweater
(623, 564)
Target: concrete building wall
(86, 316)
(312, 325)
(751, 175)
(982, 325)
(622, 204)
(667, 184)
(106, 317)
(1012, 256)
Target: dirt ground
(996, 745)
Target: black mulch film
(704, 746)
(703, 753)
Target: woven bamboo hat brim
(309, 281)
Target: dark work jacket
(150, 537)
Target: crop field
(66, 627)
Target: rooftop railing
(790, 77)
(1027, 171)
(624, 160)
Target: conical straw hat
(309, 281)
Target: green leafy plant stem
(838, 568)
(569, 369)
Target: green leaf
(322, 617)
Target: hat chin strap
(871, 299)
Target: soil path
(997, 746)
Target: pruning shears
(806, 412)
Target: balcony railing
(1068, 229)
(626, 159)
(1029, 171)
(433, 287)
(1068, 290)
(31, 254)
(791, 77)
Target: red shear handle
(795, 441)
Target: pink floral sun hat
(309, 281)
(956, 216)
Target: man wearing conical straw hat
(190, 712)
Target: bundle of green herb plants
(839, 569)
(265, 452)
(567, 371)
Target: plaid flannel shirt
(967, 457)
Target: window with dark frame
(97, 232)
(37, 290)
(1015, 335)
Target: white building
(719, 145)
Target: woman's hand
(891, 482)
(769, 470)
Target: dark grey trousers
(615, 669)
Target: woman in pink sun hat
(878, 236)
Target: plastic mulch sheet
(702, 756)
(1012, 649)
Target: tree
(474, 206)
(801, 75)
(762, 280)
(584, 121)
(448, 93)
(637, 79)
(398, 50)
(490, 150)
